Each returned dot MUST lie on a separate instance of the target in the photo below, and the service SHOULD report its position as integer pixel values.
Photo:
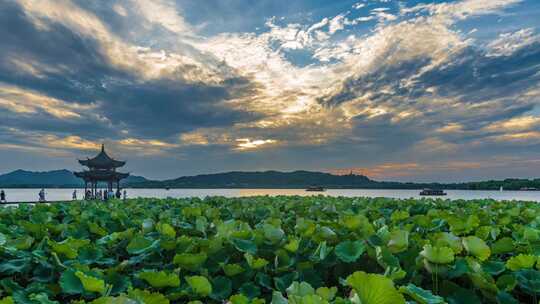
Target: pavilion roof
(101, 175)
(102, 161)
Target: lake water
(31, 195)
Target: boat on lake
(528, 189)
(432, 192)
(315, 189)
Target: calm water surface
(20, 195)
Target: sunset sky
(396, 90)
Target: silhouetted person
(118, 194)
(125, 194)
(41, 195)
(74, 196)
(3, 197)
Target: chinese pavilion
(101, 168)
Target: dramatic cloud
(395, 89)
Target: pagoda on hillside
(101, 168)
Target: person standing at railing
(3, 197)
(74, 196)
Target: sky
(395, 90)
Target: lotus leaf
(420, 295)
(160, 279)
(522, 261)
(399, 241)
(477, 247)
(349, 251)
(190, 261)
(438, 255)
(200, 285)
(374, 289)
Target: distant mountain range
(50, 179)
(265, 179)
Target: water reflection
(19, 195)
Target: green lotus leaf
(21, 243)
(190, 261)
(399, 215)
(459, 226)
(147, 297)
(292, 246)
(493, 267)
(160, 279)
(90, 283)
(374, 289)
(420, 295)
(70, 283)
(221, 288)
(232, 269)
(7, 300)
(90, 254)
(250, 290)
(273, 234)
(3, 239)
(506, 298)
(438, 255)
(96, 229)
(147, 225)
(399, 241)
(200, 224)
(40, 297)
(239, 299)
(139, 245)
(12, 266)
(245, 246)
(68, 248)
(521, 261)
(477, 247)
(531, 234)
(113, 300)
(321, 252)
(529, 281)
(300, 289)
(506, 282)
(350, 251)
(278, 298)
(166, 230)
(326, 293)
(447, 239)
(325, 234)
(283, 282)
(255, 263)
(503, 245)
(200, 285)
(119, 282)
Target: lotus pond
(284, 249)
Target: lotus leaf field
(285, 249)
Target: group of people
(102, 194)
(41, 196)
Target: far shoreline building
(101, 169)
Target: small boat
(315, 189)
(432, 192)
(167, 188)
